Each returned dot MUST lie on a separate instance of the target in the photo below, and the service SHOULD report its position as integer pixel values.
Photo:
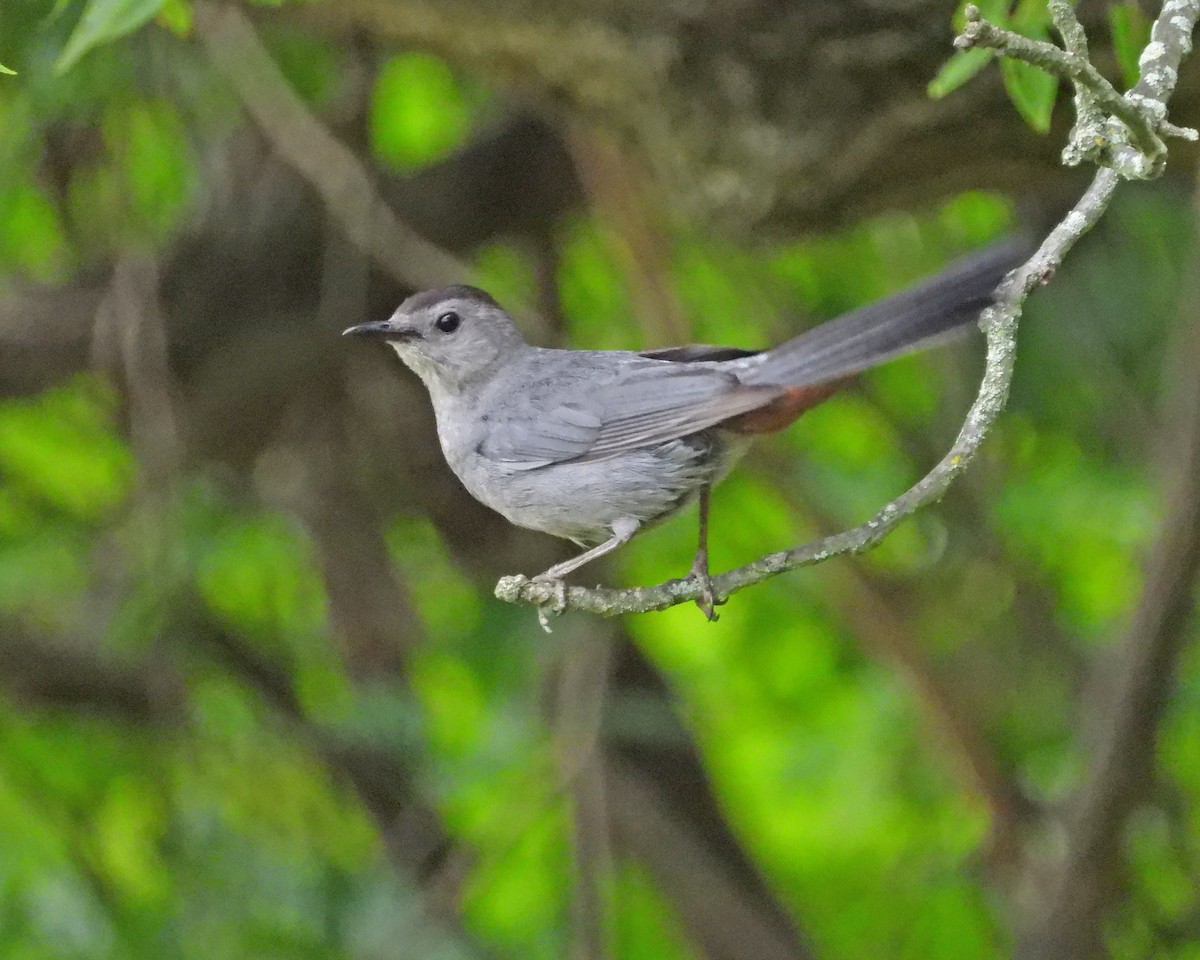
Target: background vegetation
(257, 698)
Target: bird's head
(450, 337)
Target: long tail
(914, 318)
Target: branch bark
(1142, 115)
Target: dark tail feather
(914, 318)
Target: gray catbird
(594, 445)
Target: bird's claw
(706, 598)
(557, 607)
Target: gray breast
(581, 500)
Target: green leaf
(259, 574)
(1032, 92)
(61, 448)
(1130, 34)
(102, 22)
(958, 70)
(964, 64)
(155, 163)
(32, 239)
(419, 111)
(1032, 18)
(177, 16)
(4, 69)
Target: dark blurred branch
(304, 142)
(318, 480)
(663, 803)
(723, 918)
(130, 341)
(887, 633)
(1122, 770)
(66, 676)
(579, 708)
(546, 258)
(43, 334)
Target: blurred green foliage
(103, 21)
(420, 110)
(224, 836)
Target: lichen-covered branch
(1145, 108)
(1107, 123)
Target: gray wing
(643, 406)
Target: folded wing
(648, 403)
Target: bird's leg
(623, 531)
(705, 600)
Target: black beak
(382, 330)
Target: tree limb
(722, 918)
(1072, 66)
(1142, 111)
(71, 676)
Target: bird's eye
(448, 322)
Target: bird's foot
(559, 586)
(559, 604)
(706, 599)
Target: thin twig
(1102, 114)
(1073, 67)
(1089, 117)
(582, 688)
(1069, 27)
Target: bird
(595, 446)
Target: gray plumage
(593, 445)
